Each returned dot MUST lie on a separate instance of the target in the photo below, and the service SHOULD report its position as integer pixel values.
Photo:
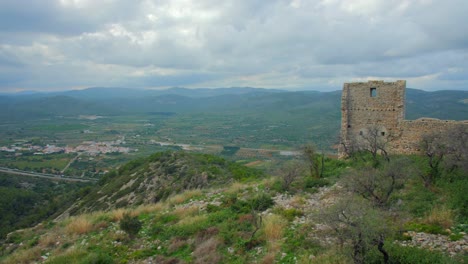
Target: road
(71, 161)
(44, 175)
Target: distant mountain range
(118, 101)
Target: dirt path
(71, 161)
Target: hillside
(449, 105)
(227, 220)
(27, 200)
(119, 101)
(149, 180)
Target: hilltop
(223, 212)
(120, 101)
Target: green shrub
(210, 208)
(455, 237)
(458, 199)
(131, 225)
(261, 202)
(81, 257)
(315, 183)
(426, 228)
(289, 214)
(409, 255)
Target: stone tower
(373, 103)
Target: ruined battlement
(381, 105)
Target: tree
(358, 226)
(289, 173)
(457, 149)
(433, 147)
(377, 185)
(373, 139)
(316, 161)
(445, 151)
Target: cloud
(297, 44)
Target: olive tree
(290, 172)
(358, 226)
(377, 185)
(444, 151)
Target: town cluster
(90, 147)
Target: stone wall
(414, 130)
(382, 104)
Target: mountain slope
(151, 179)
(449, 105)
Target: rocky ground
(326, 197)
(436, 242)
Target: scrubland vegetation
(357, 211)
(181, 207)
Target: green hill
(152, 179)
(221, 212)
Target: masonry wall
(382, 104)
(414, 130)
(373, 103)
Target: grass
(24, 256)
(149, 208)
(117, 214)
(192, 220)
(328, 257)
(273, 230)
(440, 216)
(207, 251)
(184, 197)
(273, 227)
(235, 187)
(177, 230)
(79, 225)
(47, 240)
(182, 212)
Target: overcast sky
(298, 44)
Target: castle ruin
(381, 105)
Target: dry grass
(47, 240)
(175, 244)
(190, 220)
(273, 227)
(79, 225)
(298, 201)
(183, 197)
(149, 208)
(235, 188)
(117, 214)
(206, 252)
(269, 258)
(101, 225)
(183, 212)
(328, 257)
(441, 216)
(246, 218)
(24, 256)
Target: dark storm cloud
(205, 43)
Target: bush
(409, 255)
(261, 202)
(315, 183)
(289, 214)
(131, 225)
(428, 228)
